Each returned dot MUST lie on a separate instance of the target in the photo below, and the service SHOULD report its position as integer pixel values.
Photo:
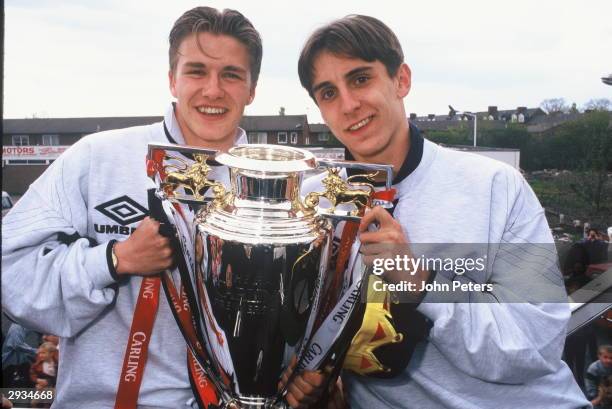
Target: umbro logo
(123, 210)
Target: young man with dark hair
(494, 348)
(78, 246)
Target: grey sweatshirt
(486, 350)
(96, 189)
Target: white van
(7, 203)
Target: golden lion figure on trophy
(338, 191)
(193, 177)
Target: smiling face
(212, 85)
(363, 106)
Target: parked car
(7, 203)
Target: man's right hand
(145, 252)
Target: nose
(349, 102)
(212, 88)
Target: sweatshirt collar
(174, 134)
(411, 162)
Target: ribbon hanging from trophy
(254, 260)
(178, 217)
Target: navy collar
(411, 162)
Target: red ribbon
(135, 357)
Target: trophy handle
(360, 194)
(181, 174)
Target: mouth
(358, 125)
(210, 110)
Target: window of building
(282, 137)
(21, 140)
(50, 140)
(257, 137)
(521, 118)
(323, 136)
(294, 138)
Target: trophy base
(255, 402)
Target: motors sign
(32, 152)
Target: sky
(109, 57)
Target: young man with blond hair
(78, 244)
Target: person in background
(595, 375)
(17, 356)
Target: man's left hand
(305, 389)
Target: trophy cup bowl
(256, 262)
(260, 255)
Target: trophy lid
(268, 158)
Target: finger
(149, 222)
(313, 378)
(292, 401)
(295, 395)
(367, 219)
(284, 379)
(288, 371)
(377, 216)
(383, 236)
(370, 249)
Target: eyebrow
(199, 65)
(351, 73)
(234, 68)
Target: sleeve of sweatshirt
(515, 332)
(50, 284)
(591, 381)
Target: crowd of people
(585, 259)
(29, 360)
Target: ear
(172, 83)
(252, 95)
(404, 80)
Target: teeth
(360, 124)
(211, 110)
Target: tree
(281, 111)
(598, 104)
(590, 139)
(573, 109)
(554, 105)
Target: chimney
(413, 116)
(493, 111)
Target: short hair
(353, 36)
(604, 348)
(48, 346)
(210, 20)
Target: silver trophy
(255, 273)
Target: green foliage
(583, 146)
(453, 136)
(558, 194)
